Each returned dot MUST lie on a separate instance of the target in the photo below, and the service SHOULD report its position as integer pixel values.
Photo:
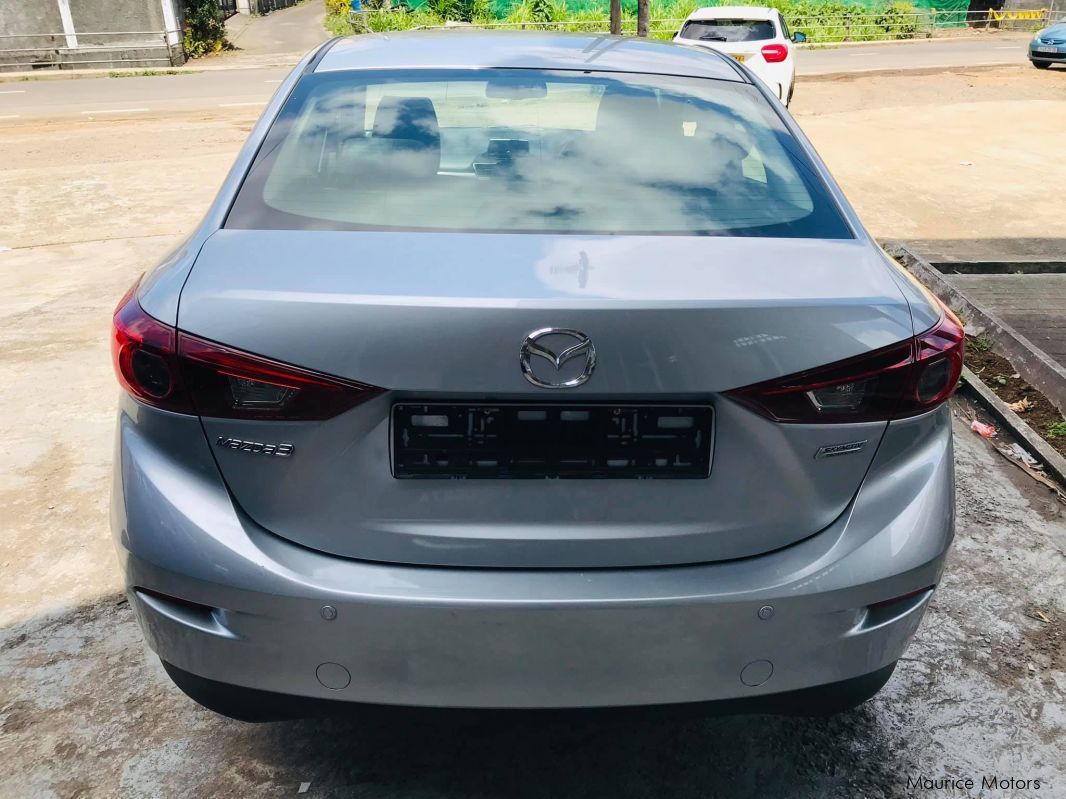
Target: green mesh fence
(947, 12)
(822, 20)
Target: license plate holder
(557, 441)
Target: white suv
(757, 37)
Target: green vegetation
(203, 31)
(978, 344)
(828, 21)
(148, 73)
(1056, 430)
(840, 21)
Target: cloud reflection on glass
(526, 151)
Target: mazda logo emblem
(557, 346)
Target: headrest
(412, 119)
(621, 111)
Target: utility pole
(642, 18)
(616, 17)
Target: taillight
(900, 380)
(185, 374)
(775, 53)
(232, 384)
(144, 352)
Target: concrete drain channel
(1028, 296)
(1020, 308)
(949, 268)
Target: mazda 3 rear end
(530, 371)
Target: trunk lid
(745, 52)
(441, 317)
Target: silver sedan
(530, 371)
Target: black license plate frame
(523, 440)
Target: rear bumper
(490, 638)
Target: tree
(642, 18)
(616, 17)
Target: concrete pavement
(288, 30)
(1033, 304)
(85, 710)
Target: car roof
(472, 48)
(734, 12)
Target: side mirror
(799, 38)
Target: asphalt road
(130, 96)
(105, 97)
(965, 51)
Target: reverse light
(900, 380)
(185, 374)
(775, 53)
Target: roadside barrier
(89, 48)
(820, 29)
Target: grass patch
(1056, 430)
(147, 73)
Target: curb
(1032, 363)
(191, 67)
(916, 40)
(1053, 463)
(916, 71)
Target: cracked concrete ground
(85, 709)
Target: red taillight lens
(144, 353)
(178, 372)
(938, 358)
(232, 384)
(903, 379)
(775, 53)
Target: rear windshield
(728, 30)
(532, 152)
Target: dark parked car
(1049, 46)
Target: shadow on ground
(570, 755)
(86, 710)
